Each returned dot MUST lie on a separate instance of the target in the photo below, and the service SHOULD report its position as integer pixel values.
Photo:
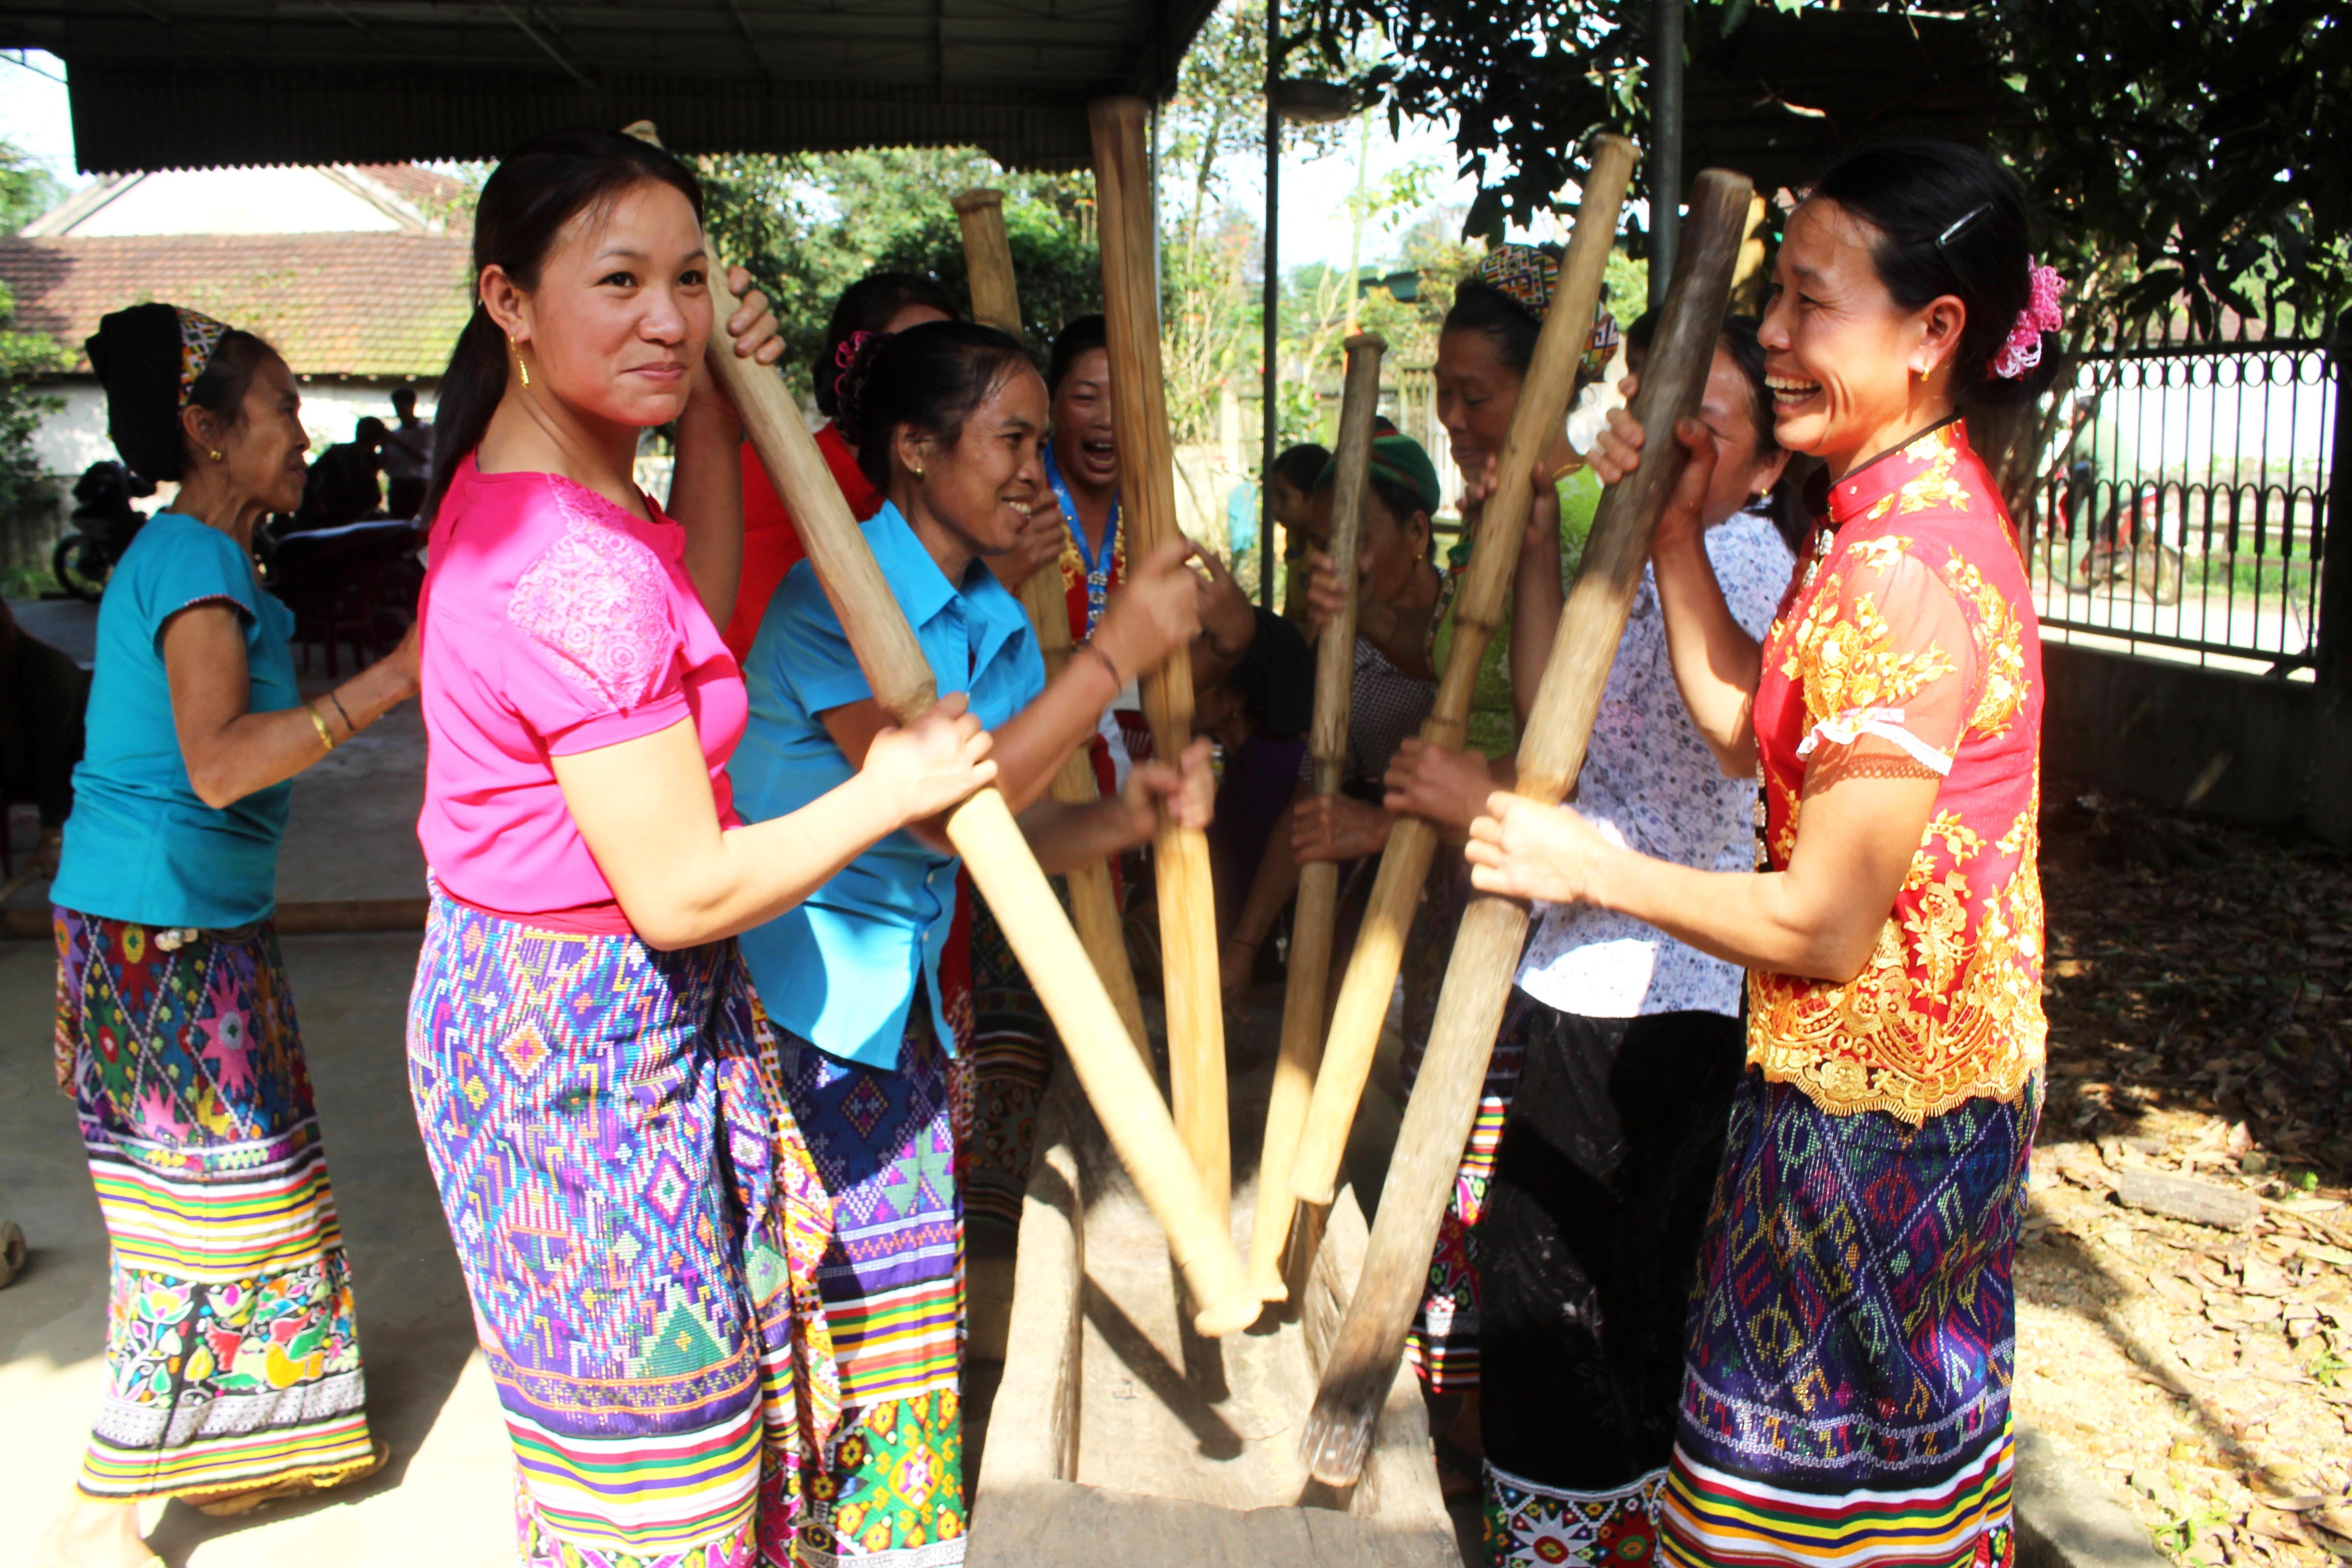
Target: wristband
(346, 712)
(1117, 681)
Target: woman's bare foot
(94, 1534)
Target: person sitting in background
(877, 303)
(1392, 689)
(42, 693)
(406, 455)
(1291, 485)
(343, 487)
(1256, 711)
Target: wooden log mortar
(1317, 907)
(1485, 596)
(1551, 751)
(984, 833)
(1188, 908)
(1094, 902)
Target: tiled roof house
(357, 275)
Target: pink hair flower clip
(2041, 314)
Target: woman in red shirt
(877, 303)
(1851, 1339)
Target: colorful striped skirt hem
(232, 1350)
(630, 1205)
(1853, 1338)
(888, 1492)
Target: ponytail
(470, 390)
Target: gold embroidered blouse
(1912, 640)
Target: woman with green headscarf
(1397, 591)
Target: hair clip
(1961, 223)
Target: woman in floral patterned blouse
(1851, 1340)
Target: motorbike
(104, 524)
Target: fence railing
(2183, 508)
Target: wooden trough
(1118, 1436)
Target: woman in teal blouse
(231, 1360)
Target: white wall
(235, 201)
(70, 441)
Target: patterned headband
(199, 336)
(1525, 276)
(1522, 274)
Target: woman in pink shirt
(628, 1199)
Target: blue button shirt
(140, 845)
(840, 970)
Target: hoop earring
(523, 365)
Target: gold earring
(522, 366)
(919, 473)
(214, 454)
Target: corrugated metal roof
(334, 304)
(193, 83)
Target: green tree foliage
(807, 226)
(28, 495)
(2178, 148)
(26, 190)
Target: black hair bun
(136, 354)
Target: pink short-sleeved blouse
(555, 623)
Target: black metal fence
(2183, 507)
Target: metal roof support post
(1272, 305)
(1666, 152)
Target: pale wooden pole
(984, 834)
(1317, 907)
(1485, 596)
(1188, 908)
(1437, 1120)
(1093, 902)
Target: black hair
(1081, 336)
(404, 394)
(370, 428)
(1949, 221)
(136, 354)
(1300, 466)
(535, 189)
(931, 377)
(868, 306)
(1483, 307)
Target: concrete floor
(445, 1498)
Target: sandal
(229, 1505)
(13, 1251)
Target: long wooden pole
(1317, 907)
(1188, 909)
(1445, 1102)
(1093, 902)
(1485, 596)
(983, 832)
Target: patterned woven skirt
(889, 1492)
(1009, 1059)
(638, 1225)
(232, 1358)
(1852, 1338)
(1443, 1344)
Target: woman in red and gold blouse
(1851, 1340)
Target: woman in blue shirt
(947, 419)
(233, 1363)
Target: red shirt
(772, 545)
(1911, 643)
